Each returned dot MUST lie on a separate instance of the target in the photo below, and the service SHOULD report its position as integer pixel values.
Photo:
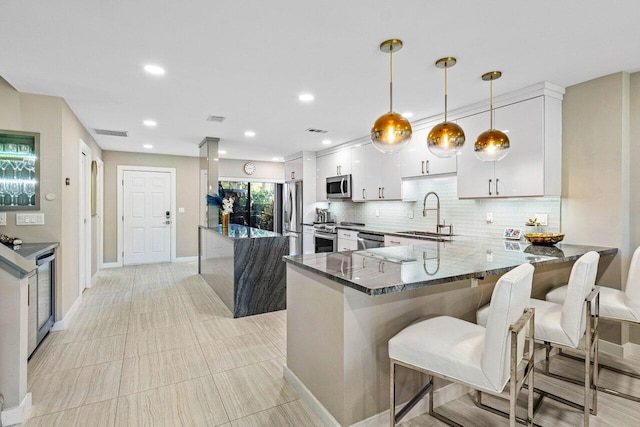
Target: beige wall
(60, 132)
(596, 178)
(187, 189)
(230, 168)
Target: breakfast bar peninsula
(342, 309)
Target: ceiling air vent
(316, 130)
(218, 119)
(122, 133)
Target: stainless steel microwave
(339, 187)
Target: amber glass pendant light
(447, 138)
(491, 145)
(391, 132)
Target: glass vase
(225, 220)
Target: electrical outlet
(489, 217)
(3, 218)
(543, 219)
(410, 214)
(377, 212)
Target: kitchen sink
(428, 235)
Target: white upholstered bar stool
(463, 352)
(568, 326)
(617, 306)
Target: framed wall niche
(19, 171)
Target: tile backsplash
(467, 216)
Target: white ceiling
(248, 60)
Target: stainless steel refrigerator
(293, 215)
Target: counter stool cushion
(562, 323)
(462, 350)
(446, 345)
(613, 303)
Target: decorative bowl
(544, 238)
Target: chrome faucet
(437, 209)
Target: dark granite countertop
(395, 269)
(236, 231)
(32, 250)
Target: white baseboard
(94, 279)
(18, 414)
(111, 265)
(66, 320)
(186, 259)
(441, 396)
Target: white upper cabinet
(374, 175)
(293, 169)
(417, 160)
(532, 168)
(475, 177)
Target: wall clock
(249, 168)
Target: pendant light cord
(391, 78)
(445, 92)
(491, 101)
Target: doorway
(84, 226)
(146, 207)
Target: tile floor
(154, 346)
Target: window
(253, 205)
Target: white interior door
(147, 217)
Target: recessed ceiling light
(306, 97)
(407, 114)
(506, 131)
(249, 133)
(154, 69)
(326, 141)
(222, 152)
(148, 146)
(216, 159)
(150, 123)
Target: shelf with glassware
(19, 170)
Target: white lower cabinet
(308, 245)
(347, 240)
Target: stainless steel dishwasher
(370, 240)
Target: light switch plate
(30, 219)
(180, 210)
(489, 217)
(410, 214)
(377, 212)
(3, 218)
(543, 219)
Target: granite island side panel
(244, 266)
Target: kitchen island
(344, 307)
(244, 266)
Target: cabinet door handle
(423, 167)
(490, 186)
(497, 181)
(364, 196)
(394, 242)
(379, 192)
(427, 167)
(293, 175)
(383, 192)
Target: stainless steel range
(325, 237)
